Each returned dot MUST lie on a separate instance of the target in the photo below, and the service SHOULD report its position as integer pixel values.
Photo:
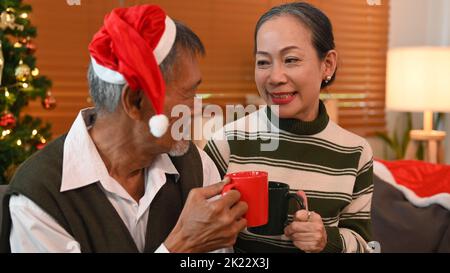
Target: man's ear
(132, 102)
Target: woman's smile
(282, 98)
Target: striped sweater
(332, 166)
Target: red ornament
(49, 103)
(40, 146)
(7, 120)
(31, 48)
(26, 42)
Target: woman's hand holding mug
(307, 230)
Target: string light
(25, 85)
(34, 132)
(35, 72)
(6, 132)
(19, 142)
(24, 15)
(17, 45)
(6, 93)
(43, 141)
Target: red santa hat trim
(129, 49)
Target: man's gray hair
(106, 96)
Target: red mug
(254, 189)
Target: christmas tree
(20, 135)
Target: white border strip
(107, 74)
(166, 42)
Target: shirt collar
(82, 164)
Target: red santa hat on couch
(129, 48)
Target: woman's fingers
(302, 227)
(305, 237)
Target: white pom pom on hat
(129, 48)
(158, 125)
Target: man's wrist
(176, 242)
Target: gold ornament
(22, 72)
(2, 62)
(8, 20)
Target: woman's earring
(328, 79)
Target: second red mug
(254, 189)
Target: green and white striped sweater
(333, 167)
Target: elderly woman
(295, 59)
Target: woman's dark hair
(313, 18)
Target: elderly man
(117, 182)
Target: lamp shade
(418, 79)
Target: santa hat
(129, 48)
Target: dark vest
(86, 213)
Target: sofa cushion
(400, 226)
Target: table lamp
(418, 80)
